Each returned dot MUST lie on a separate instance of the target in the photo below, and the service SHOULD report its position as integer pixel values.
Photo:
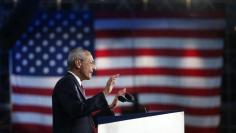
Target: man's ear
(77, 63)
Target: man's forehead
(88, 55)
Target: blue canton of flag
(43, 49)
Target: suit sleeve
(73, 104)
(100, 113)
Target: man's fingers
(110, 83)
(121, 92)
(115, 76)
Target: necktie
(82, 90)
(94, 129)
(93, 125)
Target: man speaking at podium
(72, 111)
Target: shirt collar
(76, 77)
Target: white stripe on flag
(178, 81)
(35, 100)
(202, 121)
(44, 101)
(44, 119)
(41, 82)
(155, 43)
(158, 61)
(186, 101)
(32, 118)
(32, 81)
(126, 81)
(169, 81)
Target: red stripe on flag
(159, 52)
(159, 33)
(150, 15)
(28, 108)
(191, 129)
(32, 91)
(140, 89)
(150, 107)
(163, 90)
(160, 71)
(31, 128)
(188, 110)
(167, 107)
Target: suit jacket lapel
(77, 86)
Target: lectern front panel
(162, 123)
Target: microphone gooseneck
(122, 99)
(126, 98)
(130, 98)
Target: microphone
(127, 98)
(130, 98)
(122, 99)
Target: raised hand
(114, 104)
(110, 84)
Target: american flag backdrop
(168, 60)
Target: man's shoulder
(64, 83)
(65, 78)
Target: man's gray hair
(77, 53)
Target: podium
(155, 122)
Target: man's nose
(94, 67)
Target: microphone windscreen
(129, 96)
(122, 99)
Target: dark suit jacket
(71, 110)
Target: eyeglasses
(90, 62)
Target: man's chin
(88, 77)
